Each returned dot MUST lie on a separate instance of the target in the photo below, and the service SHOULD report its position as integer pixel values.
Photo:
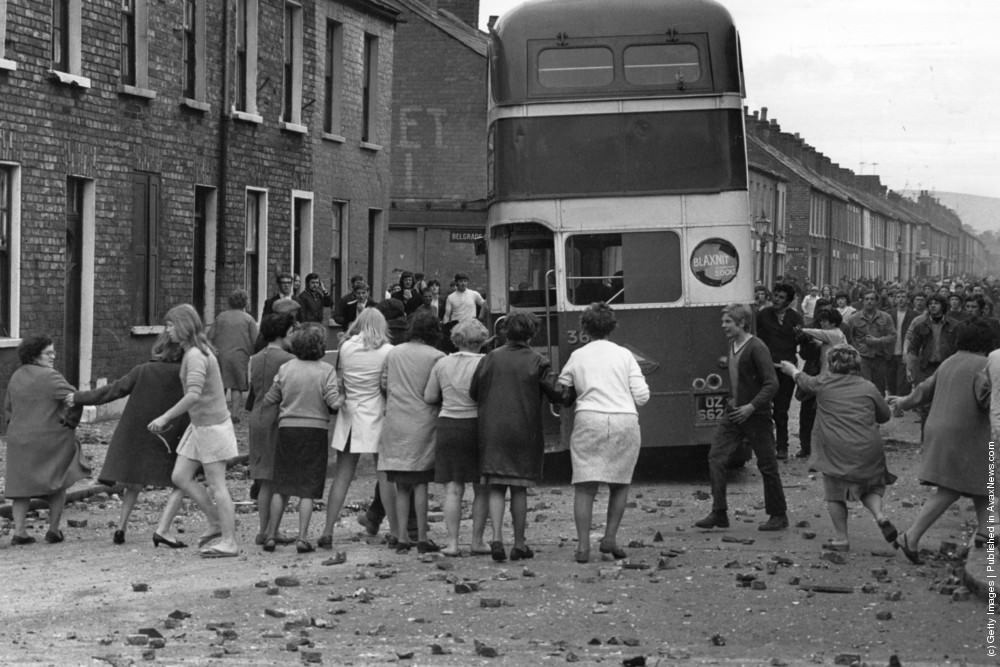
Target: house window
(128, 42)
(10, 248)
(255, 247)
(145, 247)
(246, 56)
(193, 50)
(302, 232)
(67, 64)
(338, 246)
(5, 63)
(332, 76)
(369, 90)
(291, 108)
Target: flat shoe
(522, 553)
(54, 536)
(18, 540)
(614, 550)
(216, 552)
(497, 551)
(836, 546)
(205, 539)
(304, 547)
(403, 547)
(269, 545)
(581, 556)
(889, 531)
(118, 537)
(911, 555)
(260, 539)
(325, 542)
(285, 539)
(391, 541)
(451, 554)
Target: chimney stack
(763, 114)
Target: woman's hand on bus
(741, 414)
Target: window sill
(147, 330)
(7, 343)
(135, 91)
(247, 117)
(336, 138)
(8, 65)
(195, 105)
(69, 79)
(297, 128)
(368, 146)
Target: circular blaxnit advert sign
(715, 262)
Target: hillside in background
(980, 213)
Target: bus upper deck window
(575, 67)
(662, 64)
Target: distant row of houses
(818, 221)
(153, 153)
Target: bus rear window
(625, 268)
(575, 67)
(661, 64)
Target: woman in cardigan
(136, 457)
(957, 432)
(608, 385)
(43, 456)
(848, 447)
(209, 440)
(305, 391)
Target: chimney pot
(763, 114)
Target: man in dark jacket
(777, 327)
(902, 316)
(753, 384)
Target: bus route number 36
(710, 407)
(574, 337)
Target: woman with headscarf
(847, 446)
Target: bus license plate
(709, 408)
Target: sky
(906, 89)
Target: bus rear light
(698, 384)
(714, 381)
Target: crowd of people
(855, 356)
(419, 385)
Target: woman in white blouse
(605, 380)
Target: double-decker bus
(618, 173)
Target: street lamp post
(761, 226)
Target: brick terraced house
(153, 153)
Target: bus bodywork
(617, 165)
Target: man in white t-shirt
(463, 303)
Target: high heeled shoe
(912, 555)
(119, 537)
(160, 539)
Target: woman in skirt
(209, 440)
(508, 385)
(847, 447)
(305, 389)
(456, 453)
(406, 449)
(136, 457)
(607, 385)
(275, 330)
